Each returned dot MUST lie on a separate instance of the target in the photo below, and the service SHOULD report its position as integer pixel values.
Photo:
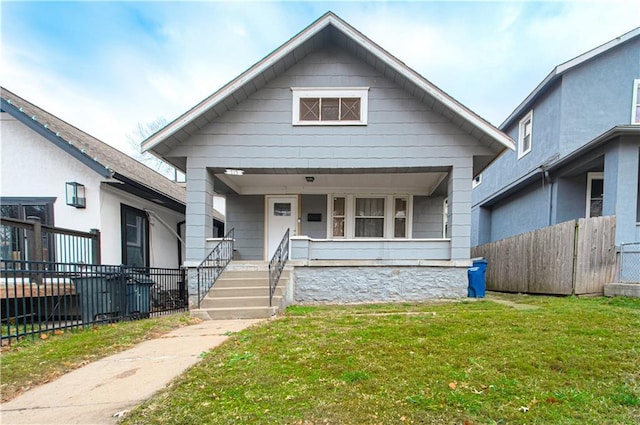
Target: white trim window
(330, 106)
(525, 134)
(635, 106)
(595, 194)
(364, 216)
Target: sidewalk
(97, 391)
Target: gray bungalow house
(365, 161)
(578, 143)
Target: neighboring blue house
(578, 140)
(365, 161)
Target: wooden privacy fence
(574, 257)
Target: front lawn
(568, 361)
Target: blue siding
(313, 204)
(245, 214)
(597, 96)
(583, 103)
(401, 130)
(427, 217)
(522, 212)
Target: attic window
(330, 106)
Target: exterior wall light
(310, 179)
(76, 195)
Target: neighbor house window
(135, 237)
(330, 106)
(525, 133)
(13, 240)
(595, 194)
(635, 111)
(476, 181)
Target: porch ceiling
(260, 183)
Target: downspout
(164, 223)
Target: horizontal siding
(427, 217)
(370, 250)
(245, 214)
(258, 132)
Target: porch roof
(328, 29)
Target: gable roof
(562, 69)
(328, 28)
(110, 163)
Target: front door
(282, 214)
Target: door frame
(294, 231)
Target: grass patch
(573, 360)
(32, 362)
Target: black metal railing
(212, 267)
(32, 241)
(38, 297)
(276, 265)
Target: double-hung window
(330, 106)
(370, 216)
(635, 110)
(525, 134)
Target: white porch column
(621, 188)
(199, 218)
(459, 214)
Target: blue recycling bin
(476, 276)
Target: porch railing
(629, 263)
(32, 241)
(276, 265)
(212, 267)
(41, 297)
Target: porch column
(621, 188)
(199, 218)
(459, 214)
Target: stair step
(228, 302)
(226, 282)
(242, 291)
(235, 313)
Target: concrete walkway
(94, 393)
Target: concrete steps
(242, 292)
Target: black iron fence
(212, 267)
(277, 263)
(40, 296)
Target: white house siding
(33, 167)
(401, 132)
(163, 244)
(330, 285)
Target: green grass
(32, 362)
(570, 361)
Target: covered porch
(416, 215)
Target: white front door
(282, 214)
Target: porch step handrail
(214, 264)
(276, 265)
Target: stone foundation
(345, 285)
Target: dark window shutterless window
(135, 236)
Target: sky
(106, 67)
